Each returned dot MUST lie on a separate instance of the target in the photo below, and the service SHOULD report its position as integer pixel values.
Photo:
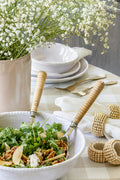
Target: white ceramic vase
(15, 78)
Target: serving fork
(72, 87)
(87, 90)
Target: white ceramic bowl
(72, 71)
(14, 119)
(55, 58)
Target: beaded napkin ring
(113, 111)
(112, 151)
(95, 151)
(98, 124)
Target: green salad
(32, 145)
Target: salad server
(98, 87)
(41, 78)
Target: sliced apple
(8, 163)
(7, 147)
(17, 155)
(59, 134)
(42, 135)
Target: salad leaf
(30, 137)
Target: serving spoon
(98, 87)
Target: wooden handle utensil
(99, 85)
(41, 78)
(89, 101)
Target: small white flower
(7, 38)
(35, 22)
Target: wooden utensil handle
(41, 77)
(89, 101)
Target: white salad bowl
(56, 171)
(54, 58)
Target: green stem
(9, 46)
(18, 55)
(34, 135)
(44, 122)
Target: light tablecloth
(85, 169)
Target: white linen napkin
(70, 107)
(82, 52)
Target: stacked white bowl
(57, 60)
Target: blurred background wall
(109, 61)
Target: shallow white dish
(72, 71)
(14, 119)
(82, 70)
(55, 58)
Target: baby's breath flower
(25, 24)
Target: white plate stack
(61, 63)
